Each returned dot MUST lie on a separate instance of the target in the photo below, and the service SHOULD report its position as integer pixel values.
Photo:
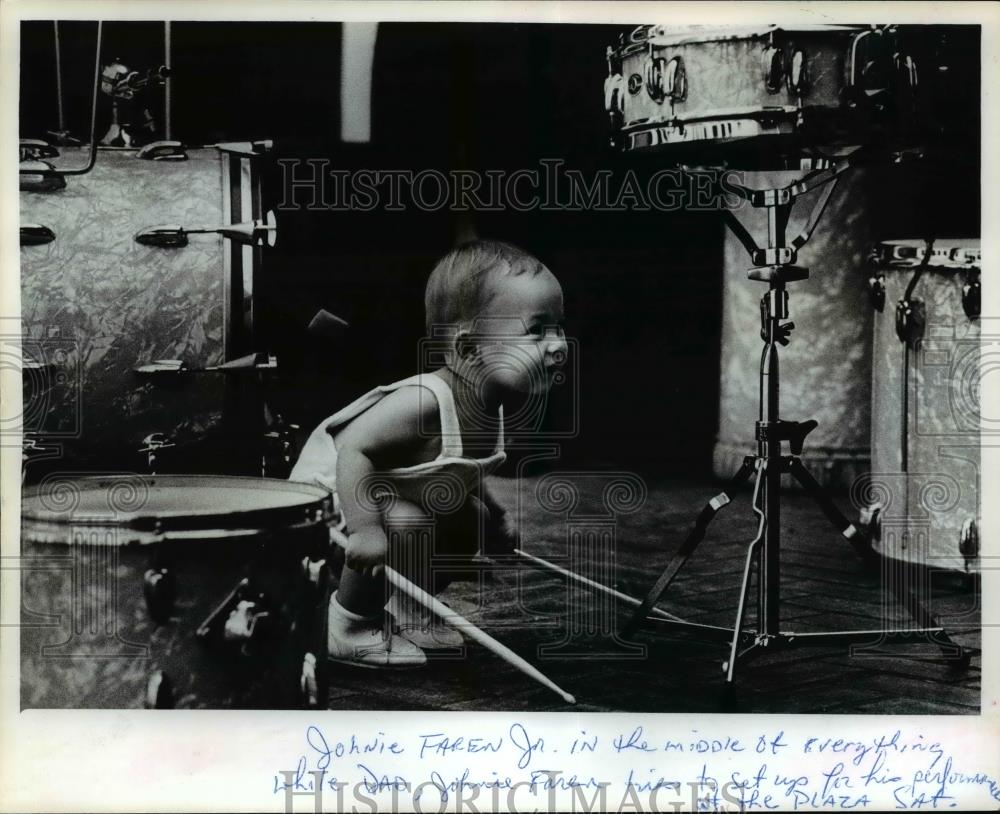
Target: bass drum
(922, 502)
(161, 591)
(98, 304)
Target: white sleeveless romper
(457, 475)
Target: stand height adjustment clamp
(782, 332)
(794, 432)
(774, 306)
(774, 256)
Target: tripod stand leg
(687, 548)
(734, 653)
(903, 594)
(856, 537)
(752, 554)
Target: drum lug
(159, 588)
(36, 234)
(798, 73)
(910, 319)
(33, 149)
(655, 70)
(675, 80)
(972, 295)
(613, 93)
(312, 570)
(159, 691)
(39, 176)
(772, 64)
(876, 292)
(163, 150)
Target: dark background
(643, 290)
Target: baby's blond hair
(462, 283)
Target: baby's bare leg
(433, 548)
(406, 526)
(428, 549)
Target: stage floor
(824, 586)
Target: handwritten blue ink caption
(768, 771)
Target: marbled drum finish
(941, 488)
(87, 637)
(826, 369)
(88, 642)
(727, 74)
(97, 304)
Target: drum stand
(774, 265)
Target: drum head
(169, 505)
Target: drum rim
(749, 33)
(150, 518)
(951, 242)
(744, 113)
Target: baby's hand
(366, 550)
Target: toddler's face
(520, 333)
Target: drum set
(209, 590)
(145, 588)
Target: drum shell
(97, 304)
(726, 74)
(826, 368)
(88, 639)
(725, 83)
(924, 505)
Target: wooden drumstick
(421, 596)
(538, 562)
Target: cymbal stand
(775, 265)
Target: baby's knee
(455, 532)
(407, 513)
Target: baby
(428, 441)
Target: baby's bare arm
(397, 431)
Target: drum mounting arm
(779, 256)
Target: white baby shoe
(359, 641)
(421, 627)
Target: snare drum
(828, 84)
(922, 500)
(163, 590)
